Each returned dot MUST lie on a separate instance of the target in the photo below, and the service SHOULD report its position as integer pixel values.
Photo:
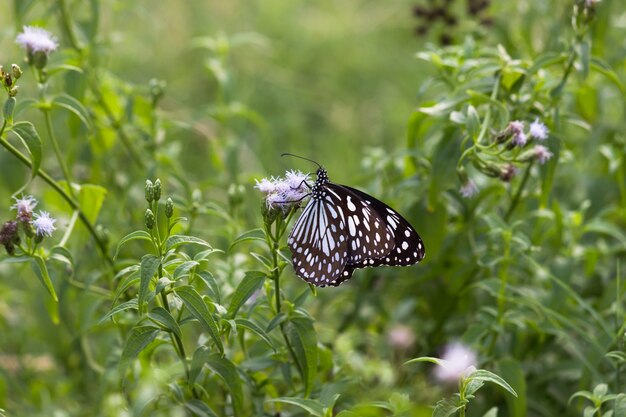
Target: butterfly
(342, 229)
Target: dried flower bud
(508, 172)
(13, 91)
(149, 218)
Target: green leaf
(164, 318)
(313, 407)
(511, 371)
(250, 235)
(128, 305)
(184, 268)
(304, 342)
(149, 266)
(27, 133)
(199, 408)
(446, 407)
(61, 254)
(619, 408)
(136, 235)
(90, 198)
(483, 375)
(211, 284)
(199, 310)
(7, 110)
(175, 241)
(247, 324)
(198, 360)
(228, 372)
(252, 281)
(140, 337)
(39, 266)
(430, 359)
(70, 103)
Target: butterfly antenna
(301, 157)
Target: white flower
(24, 207)
(458, 361)
(542, 154)
(284, 192)
(469, 189)
(265, 186)
(296, 179)
(36, 39)
(538, 130)
(44, 224)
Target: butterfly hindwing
(318, 243)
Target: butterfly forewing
(408, 247)
(318, 242)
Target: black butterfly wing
(318, 242)
(408, 246)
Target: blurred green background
(336, 81)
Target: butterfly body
(342, 229)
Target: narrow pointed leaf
(136, 235)
(27, 133)
(252, 281)
(199, 310)
(39, 266)
(139, 338)
(149, 267)
(164, 318)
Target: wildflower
(44, 224)
(35, 39)
(542, 154)
(284, 192)
(538, 130)
(469, 189)
(266, 186)
(516, 129)
(458, 361)
(401, 337)
(24, 207)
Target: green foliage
(176, 296)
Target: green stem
(487, 119)
(48, 179)
(518, 194)
(67, 25)
(57, 152)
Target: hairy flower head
(44, 224)
(24, 207)
(538, 130)
(36, 39)
(458, 361)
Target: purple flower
(458, 361)
(284, 192)
(24, 207)
(542, 154)
(44, 224)
(36, 39)
(469, 189)
(538, 130)
(516, 128)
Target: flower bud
(39, 59)
(157, 190)
(8, 232)
(169, 208)
(39, 238)
(16, 71)
(149, 191)
(508, 172)
(149, 218)
(10, 248)
(7, 80)
(13, 91)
